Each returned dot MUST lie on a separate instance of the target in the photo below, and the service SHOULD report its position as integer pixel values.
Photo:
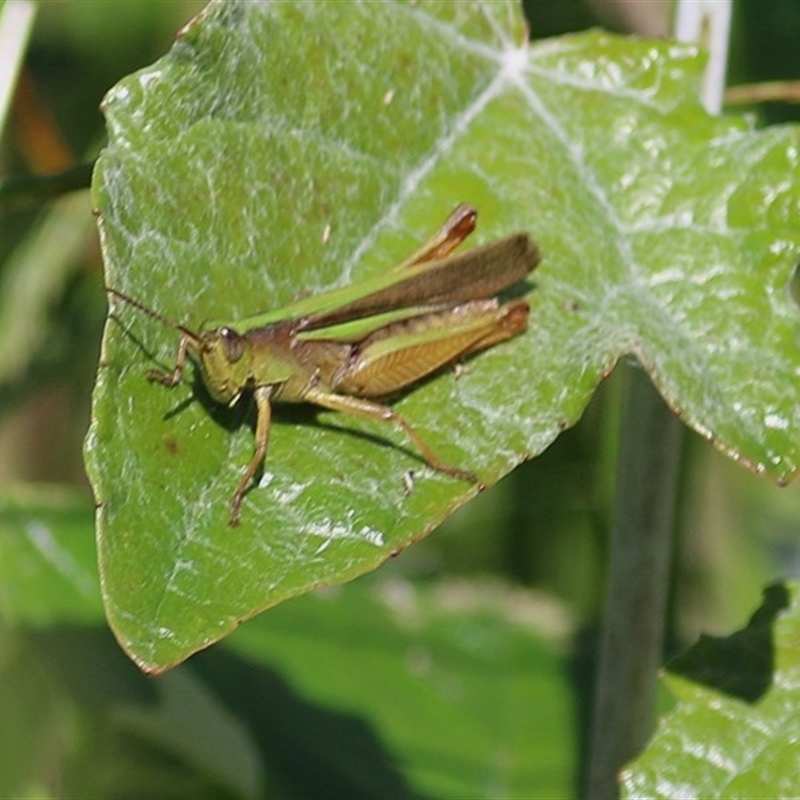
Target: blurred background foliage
(76, 717)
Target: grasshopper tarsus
(453, 472)
(236, 512)
(461, 474)
(169, 379)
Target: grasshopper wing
(477, 274)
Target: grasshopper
(348, 348)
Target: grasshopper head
(224, 358)
(222, 354)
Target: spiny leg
(369, 409)
(262, 396)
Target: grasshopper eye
(232, 344)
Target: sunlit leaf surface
(733, 732)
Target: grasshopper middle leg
(262, 396)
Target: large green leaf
(666, 233)
(733, 732)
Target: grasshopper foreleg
(369, 409)
(172, 379)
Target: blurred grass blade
(34, 277)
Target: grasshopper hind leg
(369, 409)
(454, 230)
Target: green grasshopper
(342, 349)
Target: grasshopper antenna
(153, 314)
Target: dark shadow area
(309, 751)
(741, 665)
(766, 50)
(90, 667)
(306, 750)
(556, 17)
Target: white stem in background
(708, 24)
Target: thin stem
(633, 622)
(636, 601)
(708, 24)
(769, 91)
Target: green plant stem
(768, 91)
(641, 544)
